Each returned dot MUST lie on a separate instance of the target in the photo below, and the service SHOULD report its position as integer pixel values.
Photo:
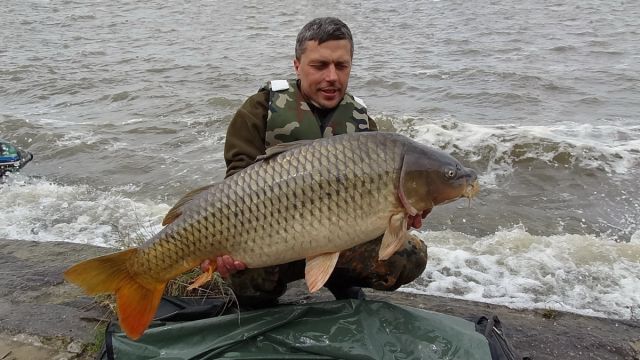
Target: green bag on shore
(343, 329)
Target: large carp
(304, 200)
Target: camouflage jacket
(291, 118)
(254, 127)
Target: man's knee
(359, 266)
(257, 287)
(403, 267)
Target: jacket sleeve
(245, 139)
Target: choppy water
(125, 106)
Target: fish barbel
(304, 200)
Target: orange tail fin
(137, 300)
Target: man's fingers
(222, 267)
(227, 265)
(414, 221)
(228, 262)
(417, 222)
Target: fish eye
(450, 173)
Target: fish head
(453, 182)
(431, 177)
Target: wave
(613, 149)
(41, 210)
(577, 273)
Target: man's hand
(226, 266)
(415, 221)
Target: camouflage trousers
(356, 267)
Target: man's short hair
(322, 30)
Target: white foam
(75, 138)
(133, 121)
(54, 123)
(576, 273)
(40, 210)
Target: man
(313, 106)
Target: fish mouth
(471, 190)
(468, 187)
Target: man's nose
(331, 74)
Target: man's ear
(296, 66)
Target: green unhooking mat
(345, 329)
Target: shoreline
(42, 317)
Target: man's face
(324, 71)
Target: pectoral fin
(318, 270)
(394, 237)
